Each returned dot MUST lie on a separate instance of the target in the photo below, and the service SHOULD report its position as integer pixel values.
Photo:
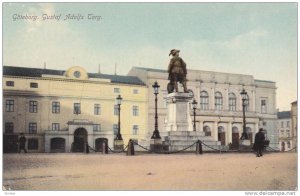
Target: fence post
(104, 148)
(199, 147)
(130, 149)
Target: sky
(258, 39)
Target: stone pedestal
(178, 115)
(118, 145)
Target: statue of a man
(177, 72)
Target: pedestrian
(259, 143)
(22, 142)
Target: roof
(264, 81)
(151, 69)
(284, 114)
(36, 72)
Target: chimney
(45, 66)
(115, 68)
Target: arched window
(218, 101)
(207, 131)
(232, 102)
(204, 100)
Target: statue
(177, 72)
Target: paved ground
(240, 171)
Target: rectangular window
(55, 127)
(32, 128)
(33, 106)
(135, 129)
(282, 124)
(263, 106)
(135, 110)
(9, 127)
(55, 107)
(116, 110)
(96, 127)
(135, 91)
(116, 90)
(115, 129)
(10, 83)
(77, 109)
(97, 109)
(288, 133)
(288, 124)
(34, 85)
(33, 144)
(9, 105)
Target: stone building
(284, 130)
(61, 109)
(219, 112)
(294, 116)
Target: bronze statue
(177, 72)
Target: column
(253, 101)
(229, 132)
(215, 131)
(200, 128)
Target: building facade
(294, 116)
(60, 110)
(219, 112)
(284, 125)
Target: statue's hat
(174, 51)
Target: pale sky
(258, 39)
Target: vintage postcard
(150, 96)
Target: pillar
(215, 131)
(229, 132)
(200, 128)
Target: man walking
(22, 142)
(259, 142)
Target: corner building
(59, 110)
(219, 113)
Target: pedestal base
(156, 145)
(118, 145)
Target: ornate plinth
(118, 145)
(178, 118)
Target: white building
(284, 130)
(219, 112)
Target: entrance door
(80, 138)
(99, 144)
(221, 137)
(58, 144)
(235, 140)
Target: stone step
(186, 133)
(194, 138)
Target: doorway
(221, 135)
(235, 138)
(80, 138)
(99, 144)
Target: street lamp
(155, 132)
(194, 103)
(119, 101)
(244, 104)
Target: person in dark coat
(22, 142)
(259, 143)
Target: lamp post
(244, 103)
(194, 103)
(155, 132)
(119, 101)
